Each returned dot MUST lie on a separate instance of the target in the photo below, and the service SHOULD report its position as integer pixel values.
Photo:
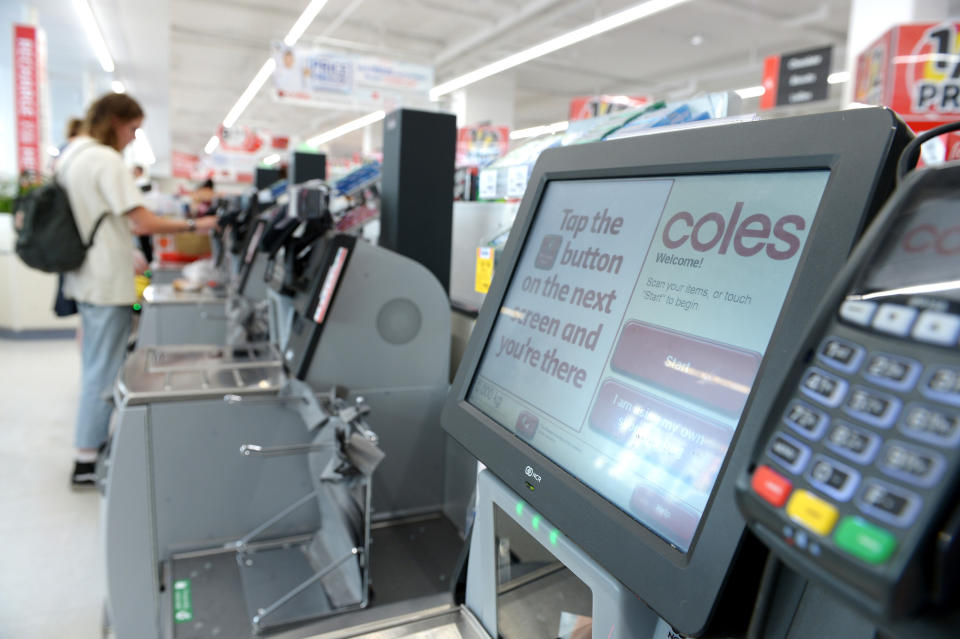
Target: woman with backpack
(99, 184)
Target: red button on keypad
(771, 486)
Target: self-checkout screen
(633, 326)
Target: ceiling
(217, 46)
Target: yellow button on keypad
(810, 511)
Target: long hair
(107, 109)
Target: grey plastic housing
(859, 147)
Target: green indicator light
(536, 522)
(148, 273)
(519, 507)
(554, 535)
(137, 307)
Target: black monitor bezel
(684, 588)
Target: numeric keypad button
(833, 478)
(806, 420)
(898, 373)
(840, 354)
(942, 384)
(789, 453)
(823, 387)
(856, 444)
(911, 464)
(877, 409)
(888, 503)
(931, 424)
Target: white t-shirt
(97, 181)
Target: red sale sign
(26, 98)
(915, 70)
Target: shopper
(97, 181)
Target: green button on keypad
(864, 540)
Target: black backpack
(47, 235)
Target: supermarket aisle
(50, 576)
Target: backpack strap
(62, 168)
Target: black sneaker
(84, 474)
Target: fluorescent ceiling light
(751, 92)
(271, 159)
(95, 35)
(248, 94)
(534, 131)
(118, 87)
(304, 21)
(212, 144)
(839, 77)
(142, 148)
(54, 151)
(634, 13)
(349, 127)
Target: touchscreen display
(920, 254)
(633, 326)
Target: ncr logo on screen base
(747, 237)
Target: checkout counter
(644, 317)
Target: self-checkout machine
(627, 352)
(180, 496)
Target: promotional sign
(26, 98)
(480, 145)
(590, 106)
(184, 165)
(333, 78)
(796, 78)
(915, 70)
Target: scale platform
(175, 373)
(162, 294)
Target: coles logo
(747, 237)
(933, 74)
(925, 238)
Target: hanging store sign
(915, 70)
(796, 78)
(592, 106)
(336, 79)
(26, 98)
(480, 145)
(184, 165)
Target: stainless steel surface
(167, 294)
(446, 622)
(168, 373)
(474, 224)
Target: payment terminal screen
(633, 327)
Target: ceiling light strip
(534, 131)
(349, 127)
(250, 92)
(637, 12)
(304, 21)
(89, 22)
(212, 144)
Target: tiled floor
(51, 582)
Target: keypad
(911, 464)
(806, 420)
(931, 424)
(855, 443)
(872, 407)
(866, 440)
(893, 372)
(822, 386)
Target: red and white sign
(184, 165)
(591, 106)
(26, 98)
(329, 285)
(915, 70)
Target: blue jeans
(106, 330)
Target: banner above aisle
(326, 78)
